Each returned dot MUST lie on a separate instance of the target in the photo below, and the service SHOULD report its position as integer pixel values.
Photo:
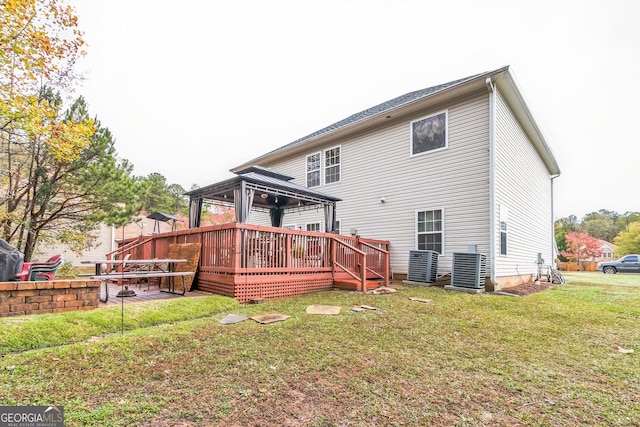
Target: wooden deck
(247, 261)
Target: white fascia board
(514, 98)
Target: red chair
(40, 270)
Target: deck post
(387, 268)
(363, 273)
(237, 250)
(332, 261)
(288, 251)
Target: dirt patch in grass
(527, 288)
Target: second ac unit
(423, 266)
(469, 270)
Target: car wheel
(609, 270)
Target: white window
(430, 230)
(429, 133)
(337, 227)
(332, 165)
(503, 237)
(313, 170)
(324, 167)
(313, 226)
(504, 220)
(290, 227)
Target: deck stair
(354, 285)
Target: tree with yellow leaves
(39, 45)
(59, 176)
(628, 241)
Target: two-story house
(456, 167)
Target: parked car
(626, 264)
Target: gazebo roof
(165, 217)
(272, 189)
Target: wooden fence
(577, 266)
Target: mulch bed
(527, 288)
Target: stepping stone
(323, 309)
(624, 350)
(420, 299)
(230, 319)
(383, 291)
(368, 307)
(269, 318)
(357, 309)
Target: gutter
(492, 180)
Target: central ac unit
(423, 266)
(469, 270)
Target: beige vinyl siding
(378, 164)
(523, 184)
(104, 244)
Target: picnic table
(160, 264)
(143, 269)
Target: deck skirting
(245, 288)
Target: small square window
(429, 133)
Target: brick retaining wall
(19, 298)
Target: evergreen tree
(63, 195)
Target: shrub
(66, 271)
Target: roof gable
(415, 100)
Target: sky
(194, 88)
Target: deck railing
(247, 249)
(352, 261)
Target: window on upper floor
(332, 165)
(429, 133)
(430, 230)
(324, 167)
(313, 170)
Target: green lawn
(599, 278)
(548, 359)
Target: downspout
(492, 164)
(553, 222)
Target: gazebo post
(195, 211)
